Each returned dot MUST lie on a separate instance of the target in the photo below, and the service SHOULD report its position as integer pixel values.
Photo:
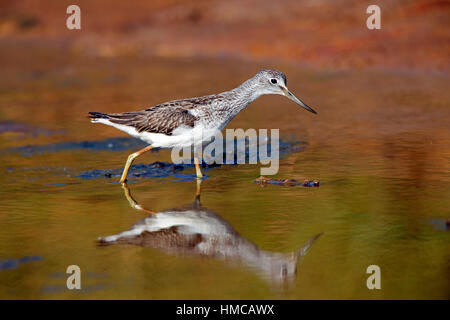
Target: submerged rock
(287, 182)
(157, 169)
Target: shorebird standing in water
(179, 123)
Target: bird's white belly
(181, 137)
(189, 222)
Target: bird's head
(274, 82)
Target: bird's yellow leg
(133, 203)
(130, 160)
(197, 203)
(197, 168)
(199, 188)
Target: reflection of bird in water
(196, 230)
(182, 123)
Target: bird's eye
(274, 81)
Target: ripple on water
(14, 263)
(110, 144)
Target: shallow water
(380, 146)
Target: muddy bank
(332, 34)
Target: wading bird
(181, 123)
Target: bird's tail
(98, 115)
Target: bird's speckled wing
(166, 117)
(163, 118)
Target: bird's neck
(235, 101)
(245, 94)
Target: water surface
(380, 146)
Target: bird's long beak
(291, 96)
